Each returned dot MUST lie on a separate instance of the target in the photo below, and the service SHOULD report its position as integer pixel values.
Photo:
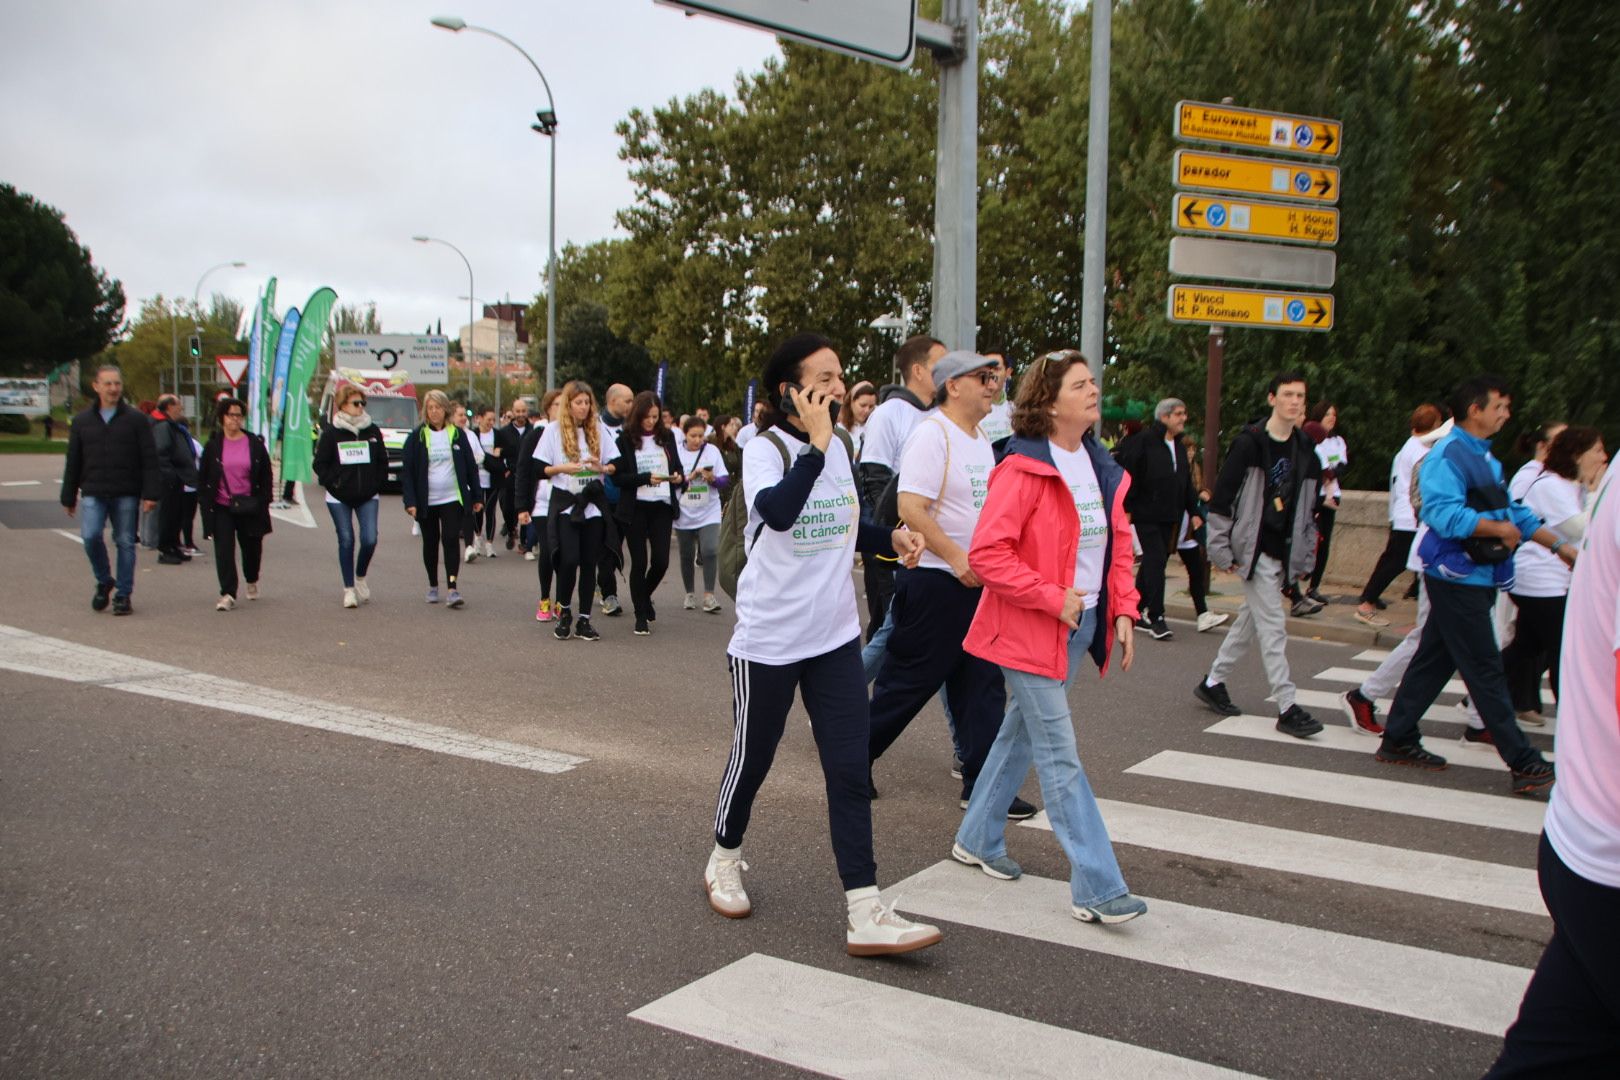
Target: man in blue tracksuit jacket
(1467, 510)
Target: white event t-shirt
(651, 459)
(1583, 822)
(922, 472)
(483, 442)
(1331, 453)
(796, 595)
(1401, 516)
(700, 504)
(550, 450)
(998, 425)
(887, 430)
(441, 467)
(1557, 502)
(1081, 476)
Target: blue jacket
(1460, 464)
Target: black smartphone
(789, 409)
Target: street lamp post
(546, 126)
(196, 311)
(471, 328)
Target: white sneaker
(710, 604)
(722, 880)
(876, 930)
(362, 591)
(690, 603)
(489, 550)
(227, 602)
(1209, 620)
(529, 556)
(253, 590)
(349, 599)
(472, 555)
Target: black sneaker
(1478, 735)
(1298, 723)
(102, 598)
(1411, 754)
(1316, 594)
(169, 558)
(1160, 630)
(1021, 810)
(1361, 712)
(642, 629)
(121, 606)
(1533, 779)
(565, 625)
(1304, 607)
(1143, 625)
(584, 630)
(1383, 605)
(1216, 698)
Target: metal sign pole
(1212, 405)
(956, 196)
(1093, 321)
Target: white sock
(1210, 685)
(725, 852)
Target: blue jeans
(343, 521)
(124, 511)
(1038, 729)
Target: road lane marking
(1447, 877)
(1360, 675)
(1340, 737)
(20, 483)
(844, 1026)
(1413, 798)
(1371, 656)
(36, 654)
(297, 514)
(77, 538)
(1476, 995)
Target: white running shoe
(530, 556)
(1209, 620)
(875, 929)
(710, 604)
(722, 880)
(362, 591)
(349, 599)
(227, 602)
(690, 603)
(253, 590)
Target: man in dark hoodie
(178, 465)
(900, 408)
(1161, 492)
(112, 464)
(1262, 526)
(509, 440)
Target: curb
(1311, 628)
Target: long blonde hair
(570, 430)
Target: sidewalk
(1336, 622)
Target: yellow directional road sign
(1252, 218)
(1285, 133)
(1257, 176)
(1267, 309)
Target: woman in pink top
(234, 494)
(1053, 549)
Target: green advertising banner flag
(258, 380)
(297, 447)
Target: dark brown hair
(1038, 392)
(1425, 418)
(1567, 446)
(226, 405)
(644, 403)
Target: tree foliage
(152, 344)
(56, 305)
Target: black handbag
(1487, 550)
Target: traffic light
(196, 346)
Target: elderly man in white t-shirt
(944, 478)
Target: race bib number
(650, 462)
(697, 493)
(574, 483)
(354, 453)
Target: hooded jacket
(1238, 505)
(1024, 549)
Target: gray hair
(1167, 406)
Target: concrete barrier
(1359, 533)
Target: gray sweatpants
(704, 543)
(1265, 620)
(1387, 679)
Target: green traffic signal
(196, 346)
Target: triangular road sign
(234, 368)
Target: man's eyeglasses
(989, 376)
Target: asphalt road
(495, 859)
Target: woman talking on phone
(1053, 549)
(798, 630)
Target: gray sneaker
(1119, 909)
(610, 605)
(433, 595)
(453, 600)
(1002, 868)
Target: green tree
(56, 305)
(147, 350)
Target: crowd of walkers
(1002, 545)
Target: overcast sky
(312, 138)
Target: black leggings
(1324, 529)
(1534, 649)
(544, 550)
(1197, 576)
(486, 516)
(231, 532)
(441, 525)
(1390, 564)
(579, 545)
(649, 533)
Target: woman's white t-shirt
(651, 459)
(1078, 472)
(1556, 501)
(550, 449)
(482, 443)
(1332, 453)
(441, 467)
(922, 472)
(796, 595)
(542, 487)
(700, 504)
(1402, 517)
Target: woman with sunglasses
(351, 462)
(234, 491)
(1053, 549)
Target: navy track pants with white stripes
(833, 688)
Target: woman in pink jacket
(1053, 548)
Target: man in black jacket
(509, 439)
(112, 467)
(1161, 492)
(177, 463)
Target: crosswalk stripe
(1387, 796)
(840, 1025)
(1371, 656)
(1477, 995)
(1508, 888)
(1340, 737)
(1328, 699)
(1356, 676)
